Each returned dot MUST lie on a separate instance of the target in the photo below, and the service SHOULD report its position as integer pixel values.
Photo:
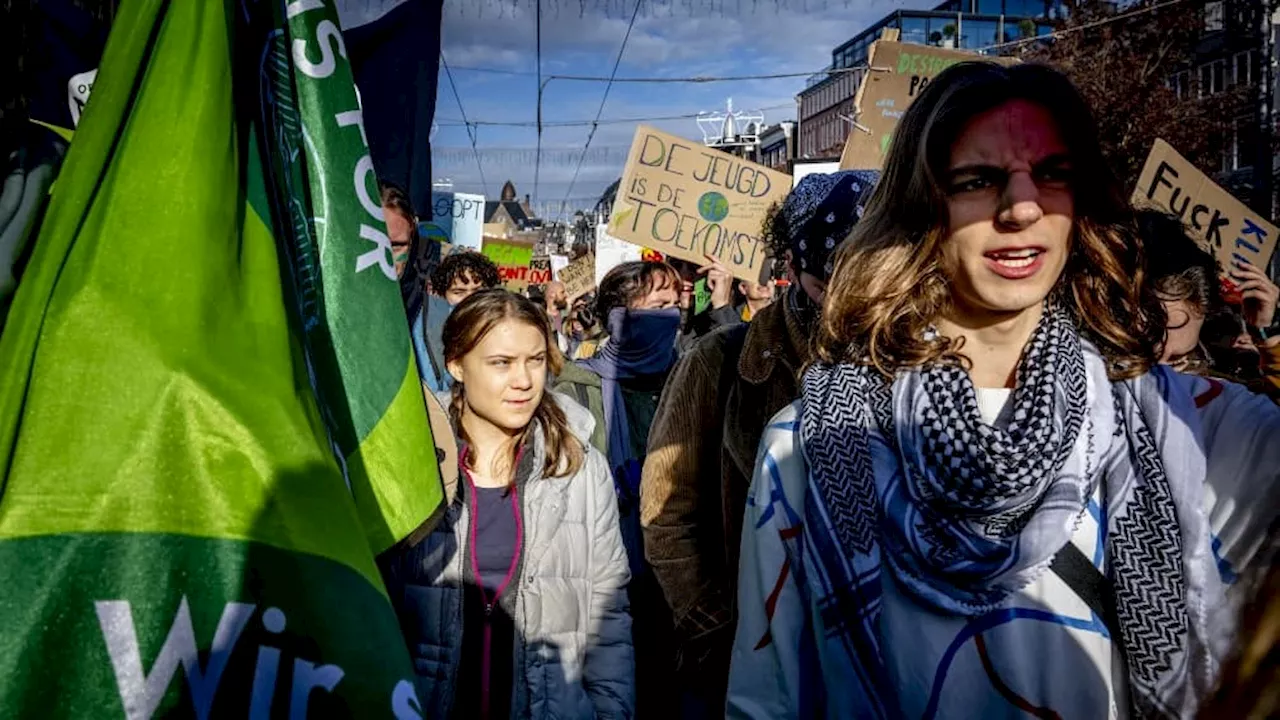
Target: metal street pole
(1264, 180)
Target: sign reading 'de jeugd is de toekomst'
(695, 203)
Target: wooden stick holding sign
(1223, 226)
(579, 276)
(689, 201)
(897, 74)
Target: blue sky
(671, 38)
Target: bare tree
(1128, 68)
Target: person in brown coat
(703, 441)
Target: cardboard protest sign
(579, 276)
(898, 72)
(540, 270)
(691, 202)
(612, 252)
(557, 264)
(512, 260)
(1221, 224)
(456, 218)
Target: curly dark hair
(461, 265)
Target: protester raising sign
(512, 260)
(539, 271)
(1221, 224)
(898, 72)
(456, 218)
(692, 202)
(579, 276)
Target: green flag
(210, 420)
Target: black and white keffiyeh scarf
(966, 514)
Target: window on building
(915, 30)
(990, 7)
(1213, 16)
(1220, 73)
(1243, 68)
(1180, 84)
(1206, 81)
(981, 33)
(1239, 145)
(1024, 8)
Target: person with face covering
(515, 606)
(990, 500)
(638, 303)
(703, 441)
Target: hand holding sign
(719, 282)
(1259, 293)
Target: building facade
(1229, 63)
(778, 146)
(825, 107)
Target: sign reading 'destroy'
(456, 218)
(899, 72)
(690, 201)
(1222, 225)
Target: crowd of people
(996, 444)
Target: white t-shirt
(994, 405)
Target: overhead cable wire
(472, 133)
(595, 124)
(688, 79)
(453, 122)
(537, 165)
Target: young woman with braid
(516, 605)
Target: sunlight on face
(1010, 210)
(1182, 331)
(505, 375)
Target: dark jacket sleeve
(726, 316)
(677, 499)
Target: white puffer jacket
(573, 655)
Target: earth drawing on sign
(713, 207)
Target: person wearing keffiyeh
(990, 500)
(707, 427)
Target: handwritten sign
(899, 71)
(540, 270)
(456, 218)
(579, 276)
(513, 262)
(612, 252)
(1221, 224)
(688, 201)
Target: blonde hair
(466, 327)
(889, 285)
